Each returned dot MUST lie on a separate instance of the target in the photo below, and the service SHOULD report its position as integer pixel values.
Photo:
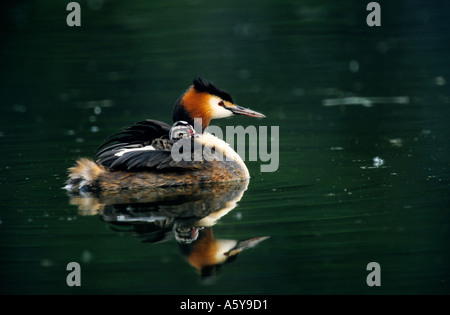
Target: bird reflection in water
(186, 213)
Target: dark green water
(329, 209)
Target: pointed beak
(238, 110)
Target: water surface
(363, 116)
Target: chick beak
(238, 110)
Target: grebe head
(204, 100)
(181, 130)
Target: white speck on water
(347, 101)
(440, 81)
(97, 110)
(86, 256)
(46, 263)
(353, 66)
(106, 103)
(377, 161)
(365, 101)
(94, 129)
(396, 142)
(79, 140)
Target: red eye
(221, 103)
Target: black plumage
(203, 85)
(141, 133)
(145, 133)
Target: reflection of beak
(238, 110)
(243, 245)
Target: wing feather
(121, 151)
(142, 133)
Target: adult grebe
(142, 156)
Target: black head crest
(203, 85)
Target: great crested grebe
(141, 155)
